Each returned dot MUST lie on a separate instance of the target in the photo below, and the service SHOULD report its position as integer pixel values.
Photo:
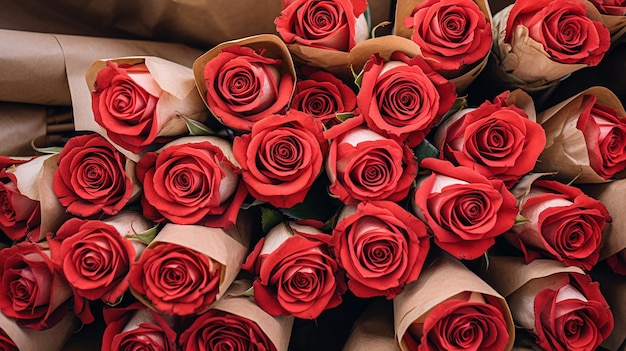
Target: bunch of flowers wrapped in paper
(209, 206)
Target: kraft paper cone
(373, 331)
(616, 26)
(49, 69)
(566, 151)
(52, 339)
(444, 278)
(277, 329)
(613, 288)
(19, 125)
(404, 8)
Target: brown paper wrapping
(404, 8)
(566, 151)
(616, 26)
(277, 329)
(443, 279)
(19, 125)
(52, 339)
(373, 331)
(226, 247)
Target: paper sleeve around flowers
(35, 340)
(612, 195)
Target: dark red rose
(92, 179)
(617, 262)
(6, 344)
(610, 7)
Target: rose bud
(381, 246)
(295, 272)
(192, 180)
(464, 210)
(364, 165)
(610, 7)
(136, 328)
(95, 256)
(562, 223)
(497, 139)
(281, 157)
(322, 96)
(243, 86)
(327, 24)
(93, 177)
(451, 34)
(140, 101)
(31, 290)
(403, 98)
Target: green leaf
(147, 236)
(49, 150)
(270, 218)
(249, 205)
(317, 204)
(459, 104)
(117, 302)
(486, 261)
(343, 116)
(358, 77)
(425, 149)
(249, 292)
(197, 128)
(520, 219)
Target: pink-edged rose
(496, 139)
(363, 165)
(294, 272)
(281, 157)
(451, 34)
(326, 24)
(403, 98)
(381, 246)
(219, 330)
(92, 179)
(605, 136)
(136, 327)
(31, 291)
(562, 223)
(464, 210)
(563, 28)
(20, 216)
(243, 86)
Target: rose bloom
(381, 246)
(467, 321)
(564, 312)
(322, 95)
(6, 344)
(451, 34)
(404, 98)
(175, 279)
(562, 223)
(327, 24)
(91, 179)
(295, 272)
(219, 330)
(496, 139)
(243, 87)
(136, 328)
(364, 165)
(605, 136)
(124, 104)
(20, 216)
(192, 180)
(563, 28)
(464, 210)
(610, 7)
(282, 157)
(95, 257)
(31, 291)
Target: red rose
(562, 223)
(20, 216)
(136, 328)
(496, 139)
(282, 157)
(617, 262)
(176, 280)
(95, 257)
(91, 179)
(6, 344)
(323, 96)
(468, 321)
(605, 136)
(219, 330)
(192, 180)
(451, 34)
(403, 98)
(295, 273)
(381, 246)
(610, 7)
(363, 165)
(564, 312)
(243, 87)
(464, 210)
(326, 24)
(563, 28)
(31, 291)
